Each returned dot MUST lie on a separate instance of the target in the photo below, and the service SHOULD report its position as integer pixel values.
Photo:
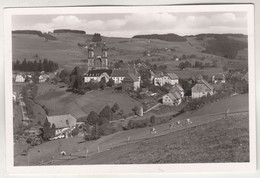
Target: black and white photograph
(158, 87)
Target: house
(118, 75)
(201, 88)
(131, 82)
(64, 124)
(43, 78)
(97, 75)
(19, 78)
(178, 88)
(219, 78)
(173, 98)
(162, 79)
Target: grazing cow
(63, 153)
(178, 123)
(152, 130)
(188, 121)
(171, 126)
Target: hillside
(68, 49)
(165, 37)
(226, 141)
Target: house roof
(219, 76)
(119, 73)
(131, 78)
(173, 76)
(177, 87)
(98, 72)
(202, 82)
(62, 121)
(174, 95)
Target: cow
(152, 130)
(188, 121)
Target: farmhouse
(64, 124)
(43, 78)
(172, 98)
(131, 82)
(201, 88)
(219, 78)
(178, 88)
(97, 75)
(20, 78)
(97, 62)
(118, 75)
(162, 79)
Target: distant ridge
(69, 31)
(35, 32)
(165, 37)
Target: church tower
(91, 56)
(104, 55)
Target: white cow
(152, 130)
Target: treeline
(35, 32)
(36, 65)
(164, 37)
(69, 31)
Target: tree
(102, 83)
(152, 119)
(46, 130)
(115, 107)
(96, 37)
(225, 68)
(181, 66)
(135, 110)
(76, 78)
(92, 118)
(105, 114)
(53, 130)
(110, 82)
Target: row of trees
(36, 65)
(198, 64)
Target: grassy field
(58, 101)
(66, 52)
(77, 146)
(217, 142)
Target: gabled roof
(98, 72)
(131, 78)
(119, 73)
(177, 87)
(202, 81)
(62, 121)
(219, 76)
(174, 95)
(173, 76)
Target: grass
(66, 52)
(58, 101)
(217, 142)
(78, 147)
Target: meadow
(58, 101)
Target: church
(97, 62)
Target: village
(139, 96)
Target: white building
(163, 79)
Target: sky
(130, 24)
